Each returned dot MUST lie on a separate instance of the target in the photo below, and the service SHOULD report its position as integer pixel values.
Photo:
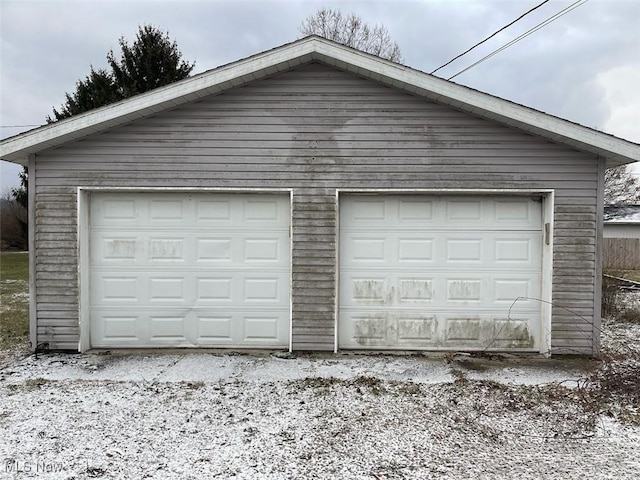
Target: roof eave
(18, 148)
(617, 151)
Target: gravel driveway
(179, 416)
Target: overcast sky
(584, 67)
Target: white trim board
(84, 248)
(546, 288)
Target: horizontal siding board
(313, 347)
(577, 289)
(583, 328)
(316, 129)
(573, 248)
(59, 321)
(315, 338)
(308, 323)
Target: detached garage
(314, 197)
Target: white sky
(584, 67)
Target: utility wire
(490, 36)
(561, 13)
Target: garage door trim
(547, 196)
(83, 221)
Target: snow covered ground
(202, 415)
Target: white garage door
(171, 269)
(431, 272)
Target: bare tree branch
(620, 186)
(352, 31)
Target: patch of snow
(205, 367)
(188, 416)
(622, 213)
(20, 296)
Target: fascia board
(18, 148)
(617, 151)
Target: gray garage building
(314, 197)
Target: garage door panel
(203, 247)
(215, 329)
(427, 247)
(263, 249)
(416, 329)
(380, 287)
(189, 270)
(513, 250)
(385, 288)
(169, 290)
(192, 209)
(214, 289)
(369, 211)
(189, 327)
(455, 213)
(259, 212)
(486, 331)
(189, 288)
(410, 211)
(415, 291)
(371, 329)
(117, 211)
(168, 209)
(368, 249)
(417, 249)
(115, 249)
(380, 329)
(166, 249)
(213, 211)
(506, 290)
(463, 250)
(261, 328)
(516, 213)
(251, 329)
(116, 289)
(464, 210)
(435, 259)
(122, 328)
(167, 327)
(214, 249)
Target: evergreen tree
(96, 90)
(151, 62)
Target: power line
(543, 24)
(20, 126)
(490, 36)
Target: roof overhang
(615, 150)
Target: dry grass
(628, 274)
(14, 305)
(619, 304)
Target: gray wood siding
(316, 129)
